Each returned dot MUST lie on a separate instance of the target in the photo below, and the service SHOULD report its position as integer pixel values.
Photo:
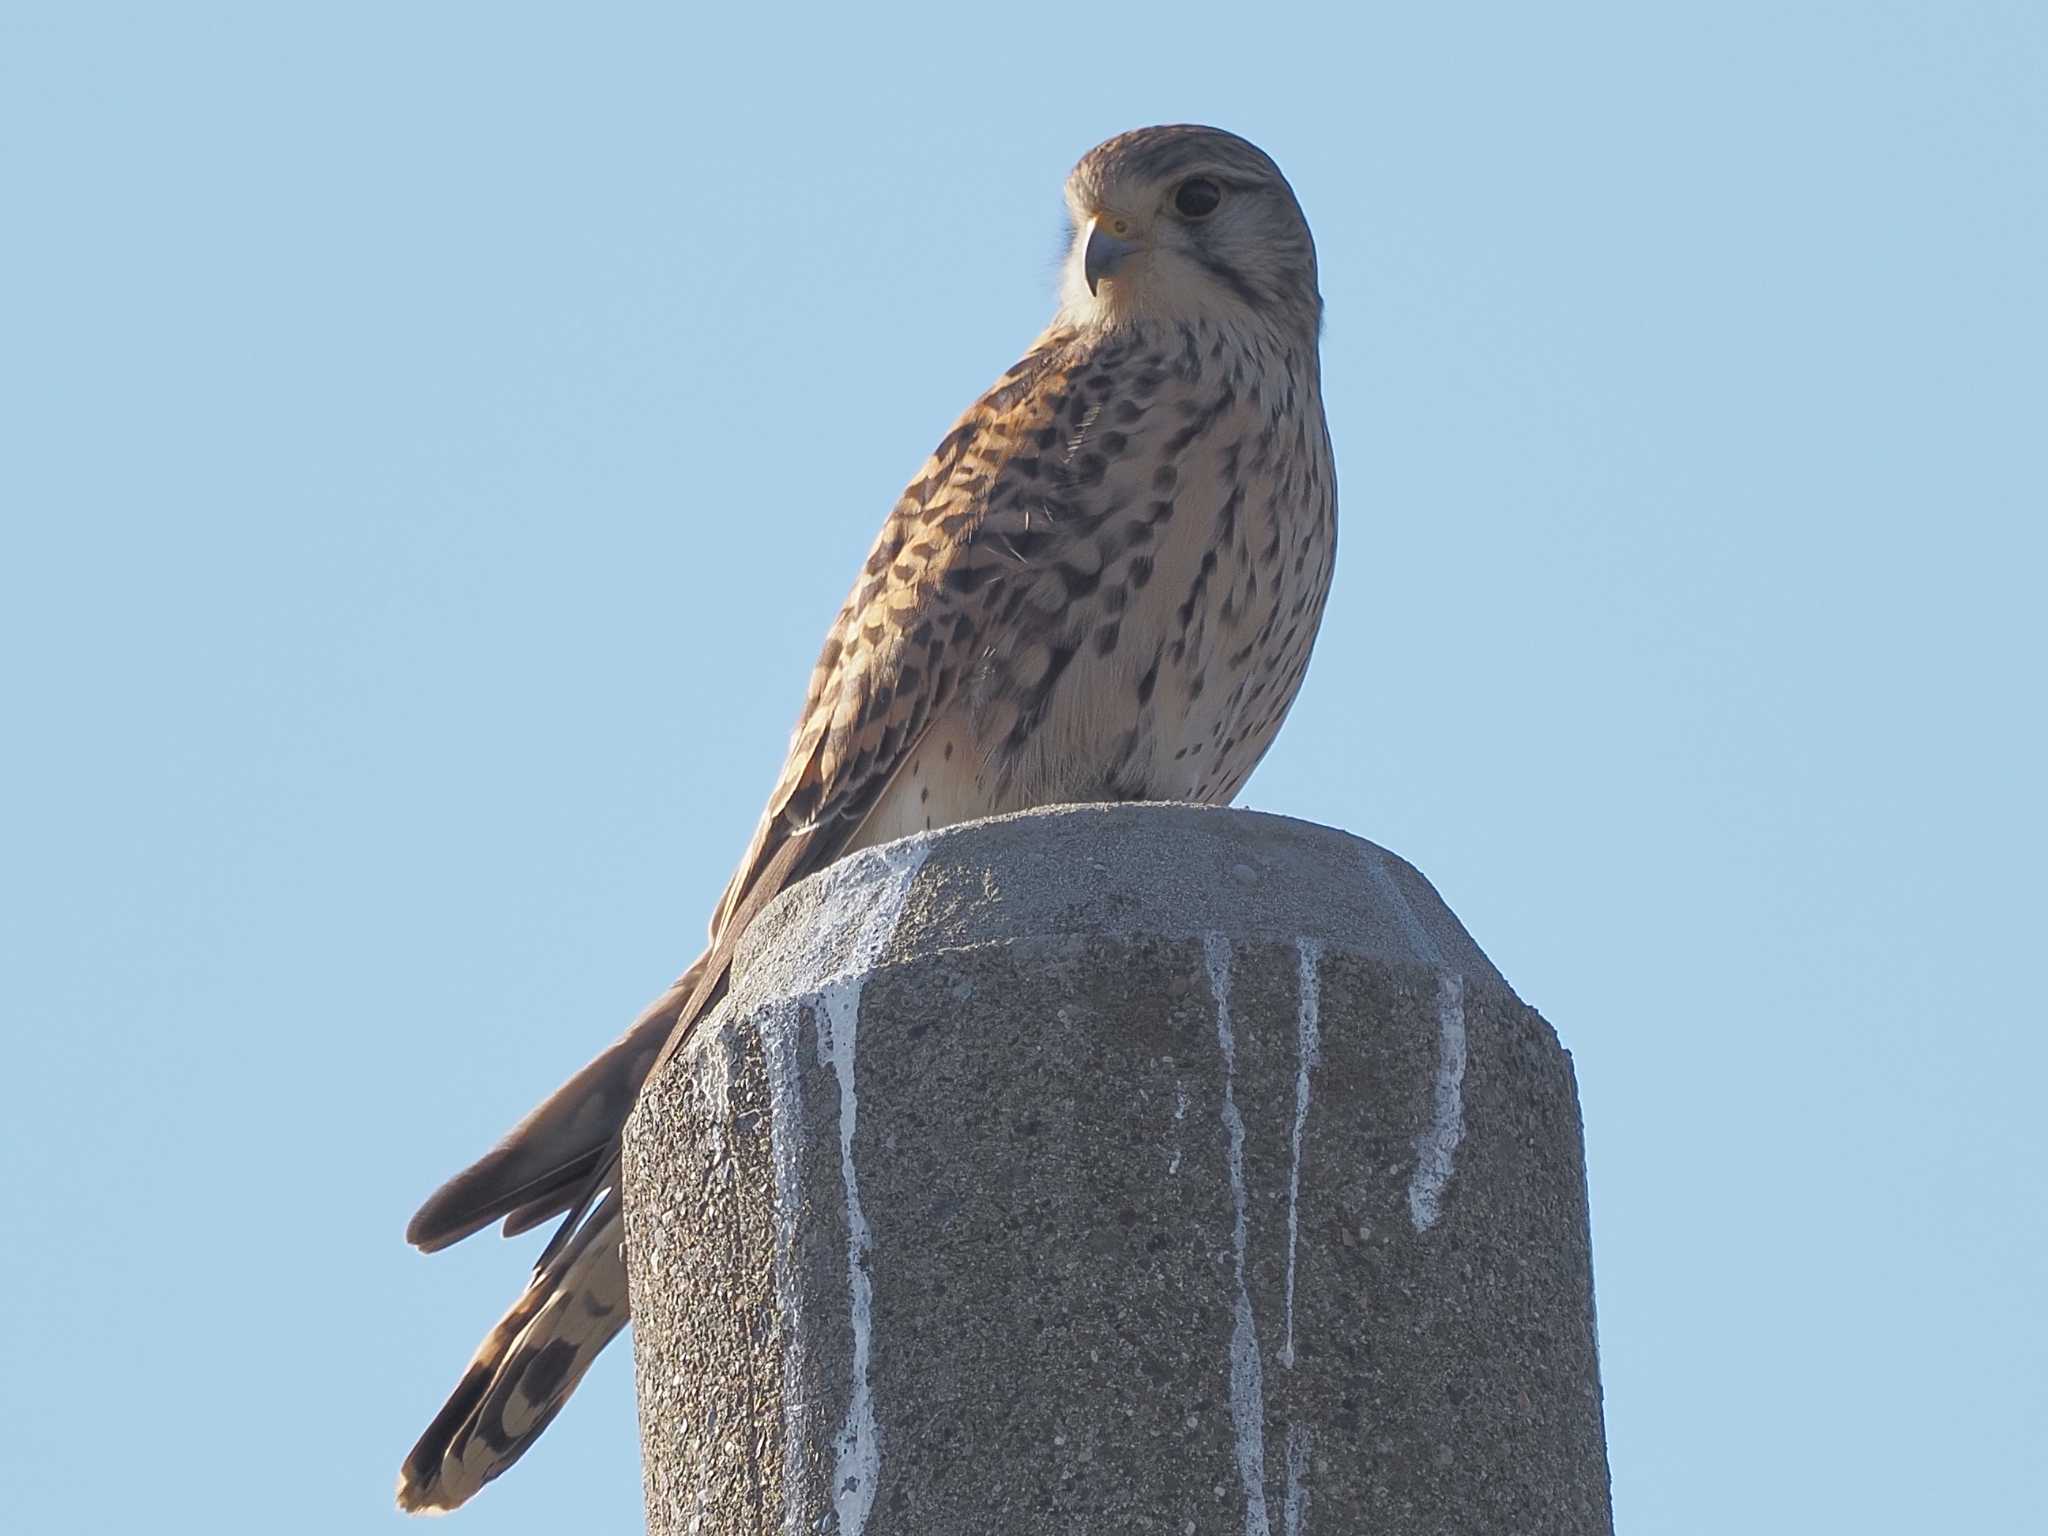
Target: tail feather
(547, 1208)
(525, 1368)
(544, 1163)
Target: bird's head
(1182, 223)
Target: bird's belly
(1133, 724)
(941, 784)
(1185, 705)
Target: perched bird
(1103, 585)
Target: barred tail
(525, 1368)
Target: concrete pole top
(1150, 1168)
(1101, 871)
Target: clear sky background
(434, 438)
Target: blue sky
(435, 439)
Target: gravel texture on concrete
(1135, 1168)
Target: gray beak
(1103, 254)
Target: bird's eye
(1197, 197)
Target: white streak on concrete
(715, 1080)
(785, 1130)
(857, 1463)
(1309, 1053)
(1436, 1148)
(845, 895)
(1247, 1379)
(1180, 1113)
(835, 1004)
(1295, 1512)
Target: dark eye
(1197, 197)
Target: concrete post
(1139, 1168)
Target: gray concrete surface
(1138, 1168)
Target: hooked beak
(1103, 254)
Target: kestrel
(1102, 585)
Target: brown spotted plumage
(1103, 585)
